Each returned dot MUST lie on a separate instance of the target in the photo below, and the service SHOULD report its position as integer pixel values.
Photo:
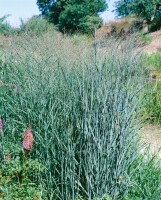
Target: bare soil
(155, 45)
(151, 135)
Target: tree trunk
(145, 28)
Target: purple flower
(27, 139)
(0, 123)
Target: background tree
(5, 28)
(35, 25)
(72, 15)
(148, 10)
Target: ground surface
(151, 135)
(155, 45)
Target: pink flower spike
(27, 140)
(7, 158)
(0, 123)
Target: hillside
(154, 46)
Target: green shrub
(35, 26)
(5, 28)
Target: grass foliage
(145, 182)
(82, 104)
(151, 109)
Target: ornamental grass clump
(83, 110)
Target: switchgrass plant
(82, 107)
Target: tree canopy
(149, 10)
(73, 15)
(5, 28)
